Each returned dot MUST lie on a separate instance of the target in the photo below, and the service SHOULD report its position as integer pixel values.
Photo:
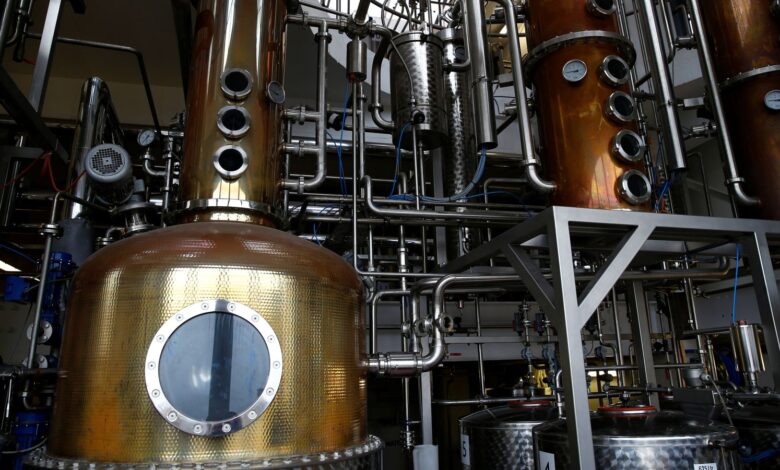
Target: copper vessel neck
(231, 168)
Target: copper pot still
(221, 340)
(745, 39)
(579, 66)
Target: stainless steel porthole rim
(625, 191)
(212, 428)
(226, 173)
(612, 108)
(619, 150)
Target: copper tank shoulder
(743, 34)
(233, 128)
(123, 294)
(548, 19)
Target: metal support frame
(647, 235)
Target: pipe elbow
(738, 191)
(536, 181)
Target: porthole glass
(214, 367)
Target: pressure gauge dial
(772, 100)
(275, 92)
(145, 138)
(574, 71)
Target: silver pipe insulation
(666, 103)
(530, 163)
(475, 38)
(734, 182)
(96, 113)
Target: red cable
(24, 171)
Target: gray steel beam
(567, 321)
(640, 332)
(40, 78)
(23, 113)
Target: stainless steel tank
(502, 438)
(643, 439)
(421, 56)
(759, 436)
(460, 149)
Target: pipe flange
(50, 230)
(236, 83)
(233, 121)
(620, 107)
(634, 187)
(628, 146)
(624, 46)
(614, 70)
(601, 8)
(739, 78)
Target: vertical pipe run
(481, 91)
(733, 180)
(666, 103)
(480, 358)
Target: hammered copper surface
(742, 34)
(124, 293)
(575, 132)
(551, 18)
(245, 35)
(755, 135)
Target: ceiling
(146, 25)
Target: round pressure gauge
(145, 138)
(275, 92)
(772, 100)
(574, 71)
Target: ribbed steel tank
(759, 436)
(744, 36)
(502, 438)
(221, 341)
(421, 56)
(643, 439)
(579, 66)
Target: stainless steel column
(666, 103)
(481, 91)
(640, 332)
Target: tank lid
(527, 404)
(509, 417)
(627, 411)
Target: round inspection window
(628, 146)
(230, 161)
(236, 83)
(614, 70)
(601, 8)
(233, 121)
(634, 187)
(213, 368)
(621, 107)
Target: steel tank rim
(371, 448)
(488, 420)
(555, 432)
(416, 37)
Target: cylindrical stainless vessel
(580, 66)
(643, 439)
(746, 339)
(423, 56)
(461, 152)
(502, 438)
(759, 435)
